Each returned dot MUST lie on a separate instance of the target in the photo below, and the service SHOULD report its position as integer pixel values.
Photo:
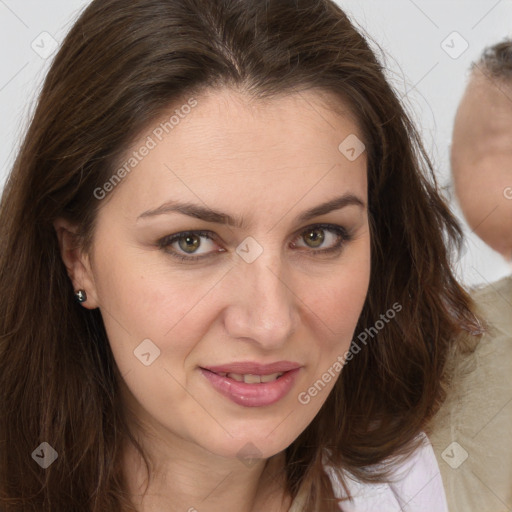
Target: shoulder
(471, 431)
(494, 303)
(415, 486)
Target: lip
(252, 395)
(254, 368)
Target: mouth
(253, 368)
(257, 386)
(250, 378)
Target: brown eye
(323, 239)
(189, 243)
(314, 237)
(192, 246)
(180, 245)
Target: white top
(417, 487)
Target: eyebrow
(209, 215)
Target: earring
(81, 296)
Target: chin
(249, 448)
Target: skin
(481, 160)
(269, 162)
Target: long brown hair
(119, 68)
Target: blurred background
(427, 47)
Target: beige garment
(472, 433)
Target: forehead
(484, 118)
(245, 154)
(488, 101)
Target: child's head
(481, 152)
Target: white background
(410, 32)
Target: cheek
(338, 302)
(140, 301)
(144, 291)
(340, 309)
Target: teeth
(252, 379)
(269, 378)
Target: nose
(262, 306)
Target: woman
(252, 230)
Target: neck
(187, 478)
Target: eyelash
(343, 237)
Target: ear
(77, 263)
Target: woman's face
(276, 294)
